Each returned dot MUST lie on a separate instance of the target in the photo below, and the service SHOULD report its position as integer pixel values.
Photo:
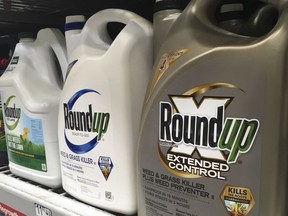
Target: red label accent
(8, 211)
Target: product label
(83, 124)
(106, 166)
(188, 127)
(13, 63)
(3, 147)
(237, 200)
(86, 123)
(24, 136)
(203, 139)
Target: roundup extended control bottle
(30, 89)
(100, 108)
(213, 136)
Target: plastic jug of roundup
(100, 108)
(213, 134)
(7, 46)
(30, 89)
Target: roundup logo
(83, 124)
(12, 114)
(200, 141)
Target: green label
(24, 136)
(13, 63)
(15, 60)
(25, 153)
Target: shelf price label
(41, 210)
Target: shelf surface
(25, 198)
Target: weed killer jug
(7, 45)
(100, 108)
(213, 134)
(30, 89)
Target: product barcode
(44, 168)
(108, 195)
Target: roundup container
(30, 89)
(7, 46)
(213, 135)
(100, 108)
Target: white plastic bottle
(30, 89)
(8, 43)
(100, 108)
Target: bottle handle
(98, 24)
(55, 40)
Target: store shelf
(26, 198)
(32, 15)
